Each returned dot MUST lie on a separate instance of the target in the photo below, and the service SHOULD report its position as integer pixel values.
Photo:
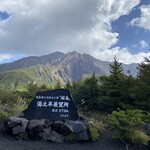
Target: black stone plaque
(53, 105)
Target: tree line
(114, 92)
(117, 91)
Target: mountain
(77, 65)
(50, 59)
(48, 68)
(40, 74)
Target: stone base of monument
(42, 129)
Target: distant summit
(72, 66)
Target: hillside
(48, 68)
(51, 59)
(40, 74)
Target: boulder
(17, 130)
(56, 124)
(45, 134)
(61, 128)
(80, 129)
(76, 126)
(84, 135)
(55, 137)
(47, 130)
(35, 123)
(39, 129)
(22, 136)
(15, 125)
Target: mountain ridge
(72, 66)
(31, 61)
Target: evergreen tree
(143, 85)
(114, 89)
(87, 90)
(112, 84)
(116, 69)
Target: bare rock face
(43, 129)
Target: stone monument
(53, 105)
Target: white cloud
(4, 57)
(123, 55)
(39, 27)
(144, 44)
(144, 20)
(134, 45)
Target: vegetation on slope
(39, 74)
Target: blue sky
(4, 15)
(131, 36)
(101, 28)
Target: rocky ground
(104, 143)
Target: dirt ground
(104, 143)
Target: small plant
(11, 104)
(140, 137)
(3, 111)
(96, 128)
(126, 123)
(3, 115)
(70, 138)
(18, 106)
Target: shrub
(3, 115)
(3, 111)
(96, 128)
(126, 125)
(140, 137)
(147, 117)
(18, 106)
(11, 103)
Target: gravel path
(104, 143)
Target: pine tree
(112, 83)
(113, 87)
(116, 69)
(87, 90)
(143, 85)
